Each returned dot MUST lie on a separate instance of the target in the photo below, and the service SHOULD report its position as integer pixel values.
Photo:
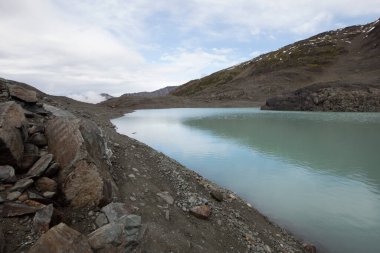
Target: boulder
(45, 184)
(23, 94)
(11, 142)
(217, 195)
(116, 235)
(79, 147)
(61, 239)
(7, 174)
(201, 212)
(42, 219)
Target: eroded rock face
(4, 93)
(26, 95)
(78, 146)
(11, 141)
(59, 239)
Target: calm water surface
(317, 174)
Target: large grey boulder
(11, 142)
(61, 239)
(79, 147)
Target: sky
(83, 48)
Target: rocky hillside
(350, 54)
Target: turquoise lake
(316, 174)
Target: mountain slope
(157, 93)
(349, 54)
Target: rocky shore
(331, 96)
(71, 183)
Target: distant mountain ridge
(349, 54)
(157, 93)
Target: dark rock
(11, 209)
(35, 196)
(38, 139)
(22, 184)
(202, 212)
(11, 142)
(2, 241)
(115, 211)
(217, 195)
(52, 170)
(23, 197)
(40, 166)
(309, 248)
(60, 239)
(42, 219)
(22, 93)
(45, 184)
(29, 158)
(7, 174)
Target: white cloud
(116, 46)
(88, 97)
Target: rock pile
(50, 159)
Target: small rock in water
(309, 248)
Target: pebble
(131, 176)
(13, 195)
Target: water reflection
(315, 173)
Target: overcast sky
(83, 48)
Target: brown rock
(40, 166)
(79, 148)
(22, 93)
(42, 219)
(32, 203)
(83, 186)
(13, 195)
(45, 184)
(201, 212)
(61, 239)
(38, 139)
(48, 195)
(11, 142)
(11, 209)
(7, 174)
(23, 197)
